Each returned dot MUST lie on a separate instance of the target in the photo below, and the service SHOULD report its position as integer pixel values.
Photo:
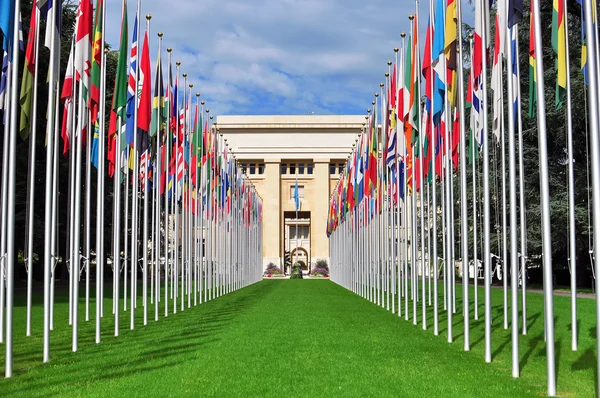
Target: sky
(260, 57)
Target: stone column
(272, 213)
(320, 210)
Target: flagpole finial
(202, 103)
(198, 95)
(178, 63)
(106, 51)
(184, 75)
(470, 35)
(396, 49)
(403, 35)
(160, 34)
(368, 111)
(390, 62)
(148, 17)
(191, 85)
(169, 49)
(411, 17)
(387, 74)
(377, 94)
(211, 118)
(208, 110)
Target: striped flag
(532, 67)
(26, 94)
(131, 86)
(558, 45)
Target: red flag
(145, 106)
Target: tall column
(272, 236)
(320, 210)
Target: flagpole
(3, 203)
(486, 192)
(595, 129)
(157, 178)
(572, 227)
(10, 220)
(31, 185)
(100, 188)
(48, 197)
(544, 184)
(168, 145)
(54, 224)
(463, 182)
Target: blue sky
(278, 56)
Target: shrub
(272, 269)
(320, 271)
(321, 264)
(296, 271)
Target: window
(283, 168)
(340, 168)
(252, 168)
(300, 191)
(332, 168)
(243, 167)
(261, 168)
(309, 168)
(301, 168)
(292, 168)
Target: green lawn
(295, 338)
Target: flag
(132, 84)
(96, 63)
(584, 67)
(3, 83)
(145, 83)
(558, 45)
(26, 94)
(515, 12)
(532, 67)
(497, 86)
(7, 19)
(48, 8)
(120, 93)
(95, 143)
(158, 101)
(67, 97)
(83, 44)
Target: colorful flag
(7, 19)
(96, 63)
(532, 67)
(145, 84)
(26, 94)
(132, 86)
(158, 101)
(558, 45)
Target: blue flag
(296, 197)
(7, 19)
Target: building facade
(280, 152)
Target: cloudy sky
(277, 56)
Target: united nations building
(277, 151)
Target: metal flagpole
(100, 187)
(168, 144)
(463, 182)
(31, 185)
(544, 185)
(514, 266)
(474, 183)
(54, 197)
(10, 219)
(145, 217)
(116, 224)
(572, 228)
(3, 203)
(486, 192)
(49, 198)
(135, 177)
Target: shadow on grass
(156, 346)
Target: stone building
(277, 151)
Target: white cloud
(277, 56)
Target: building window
(292, 168)
(252, 168)
(243, 167)
(300, 191)
(340, 168)
(283, 168)
(261, 168)
(332, 168)
(301, 168)
(309, 168)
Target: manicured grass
(296, 338)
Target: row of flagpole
(195, 227)
(383, 223)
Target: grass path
(295, 338)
